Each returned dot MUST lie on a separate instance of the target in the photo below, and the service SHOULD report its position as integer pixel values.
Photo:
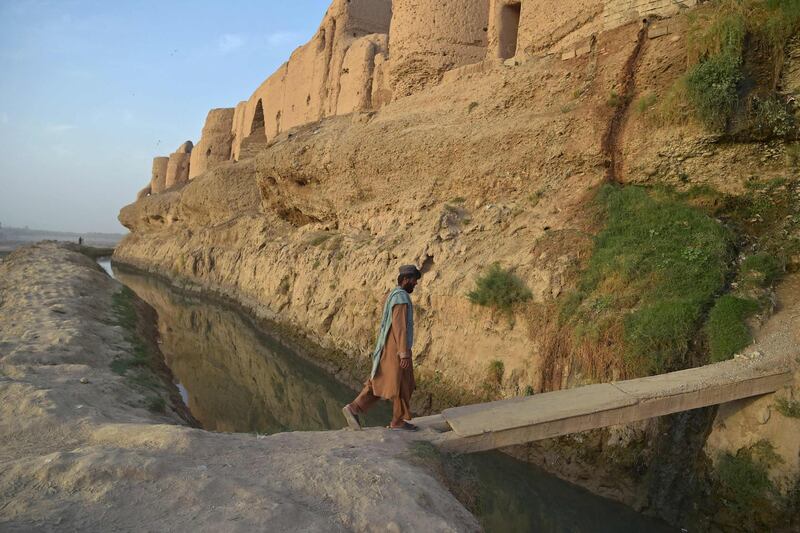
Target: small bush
(616, 100)
(788, 408)
(712, 89)
(645, 103)
(726, 328)
(500, 289)
(770, 117)
(763, 269)
(494, 374)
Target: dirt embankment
(81, 449)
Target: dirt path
(80, 452)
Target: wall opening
(509, 29)
(258, 118)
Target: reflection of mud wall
(331, 74)
(238, 380)
(428, 37)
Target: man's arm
(400, 333)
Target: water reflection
(105, 262)
(518, 497)
(236, 378)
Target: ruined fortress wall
(429, 37)
(237, 127)
(320, 74)
(358, 71)
(178, 165)
(158, 179)
(524, 27)
(215, 142)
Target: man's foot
(405, 427)
(350, 416)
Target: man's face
(408, 284)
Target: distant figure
(80, 241)
(392, 376)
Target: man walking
(392, 376)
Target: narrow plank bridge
(487, 426)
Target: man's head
(408, 278)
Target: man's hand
(405, 363)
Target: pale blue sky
(91, 91)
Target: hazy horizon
(92, 91)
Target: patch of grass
(645, 102)
(319, 238)
(156, 404)
(793, 155)
(656, 266)
(615, 100)
(496, 371)
(761, 269)
(788, 408)
(500, 289)
(743, 483)
(726, 328)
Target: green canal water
(235, 377)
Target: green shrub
(645, 102)
(788, 408)
(726, 328)
(763, 269)
(500, 289)
(770, 117)
(712, 89)
(616, 100)
(495, 372)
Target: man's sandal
(405, 427)
(352, 420)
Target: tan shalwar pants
(401, 404)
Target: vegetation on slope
(657, 265)
(673, 279)
(735, 52)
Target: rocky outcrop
(215, 143)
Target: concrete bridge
(486, 426)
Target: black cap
(410, 270)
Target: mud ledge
(79, 450)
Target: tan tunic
(392, 381)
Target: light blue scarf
(398, 296)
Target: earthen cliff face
(367, 53)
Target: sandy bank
(80, 450)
